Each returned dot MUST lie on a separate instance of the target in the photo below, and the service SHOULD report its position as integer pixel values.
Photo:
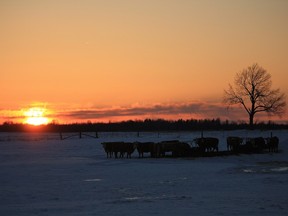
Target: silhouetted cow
(128, 148)
(207, 144)
(144, 147)
(118, 147)
(233, 143)
(272, 143)
(167, 146)
(108, 148)
(253, 145)
(177, 148)
(182, 149)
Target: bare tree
(252, 90)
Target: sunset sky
(95, 60)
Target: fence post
(61, 137)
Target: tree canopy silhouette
(252, 90)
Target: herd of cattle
(204, 146)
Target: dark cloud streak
(197, 110)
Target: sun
(36, 116)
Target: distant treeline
(140, 125)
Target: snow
(43, 175)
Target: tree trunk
(251, 120)
(252, 111)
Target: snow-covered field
(43, 175)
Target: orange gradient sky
(132, 59)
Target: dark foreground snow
(42, 175)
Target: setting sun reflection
(36, 116)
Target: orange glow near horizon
(36, 116)
(114, 60)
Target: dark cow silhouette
(167, 146)
(207, 144)
(253, 145)
(145, 147)
(119, 147)
(108, 149)
(233, 143)
(175, 147)
(182, 149)
(128, 148)
(272, 143)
